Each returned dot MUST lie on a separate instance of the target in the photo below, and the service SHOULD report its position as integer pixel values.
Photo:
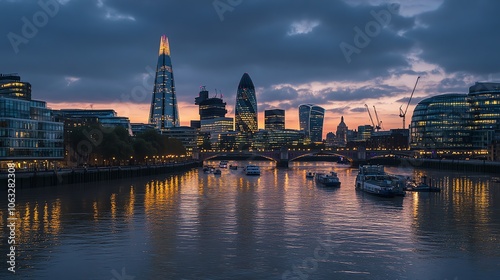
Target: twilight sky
(83, 53)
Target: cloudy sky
(339, 54)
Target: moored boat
(252, 170)
(223, 164)
(372, 179)
(233, 167)
(328, 180)
(421, 187)
(217, 172)
(310, 175)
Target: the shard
(164, 112)
(246, 106)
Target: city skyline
(295, 57)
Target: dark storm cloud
(110, 44)
(414, 100)
(358, 110)
(339, 110)
(365, 92)
(458, 84)
(461, 36)
(280, 94)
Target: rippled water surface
(277, 226)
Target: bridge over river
(283, 156)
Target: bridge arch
(247, 156)
(315, 153)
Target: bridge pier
(283, 161)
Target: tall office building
(246, 106)
(365, 132)
(311, 119)
(210, 107)
(274, 119)
(164, 112)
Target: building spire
(164, 46)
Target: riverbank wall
(482, 166)
(89, 175)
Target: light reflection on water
(200, 226)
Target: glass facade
(12, 87)
(304, 113)
(107, 117)
(365, 132)
(442, 124)
(274, 119)
(28, 131)
(216, 126)
(276, 139)
(246, 107)
(164, 112)
(484, 100)
(311, 119)
(187, 135)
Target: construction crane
(402, 113)
(379, 123)
(370, 114)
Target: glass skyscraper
(311, 119)
(164, 112)
(246, 106)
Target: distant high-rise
(274, 119)
(210, 107)
(342, 132)
(311, 121)
(246, 106)
(164, 112)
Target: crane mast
(369, 114)
(402, 113)
(379, 123)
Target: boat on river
(374, 180)
(328, 180)
(310, 175)
(252, 170)
(412, 186)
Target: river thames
(279, 225)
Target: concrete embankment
(88, 175)
(444, 164)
